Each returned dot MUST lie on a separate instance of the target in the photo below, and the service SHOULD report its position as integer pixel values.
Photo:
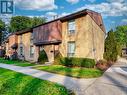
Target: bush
(42, 57)
(77, 62)
(57, 59)
(88, 63)
(103, 64)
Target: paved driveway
(113, 82)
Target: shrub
(88, 63)
(42, 57)
(103, 64)
(57, 59)
(77, 62)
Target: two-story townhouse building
(80, 34)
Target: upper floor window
(71, 49)
(71, 26)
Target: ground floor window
(71, 49)
(31, 51)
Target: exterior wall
(11, 41)
(89, 39)
(26, 47)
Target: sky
(114, 12)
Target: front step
(48, 63)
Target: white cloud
(108, 9)
(73, 1)
(36, 4)
(90, 0)
(113, 22)
(51, 16)
(124, 21)
(115, 0)
(51, 13)
(64, 14)
(6, 18)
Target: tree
(37, 21)
(121, 34)
(121, 37)
(2, 28)
(18, 23)
(110, 53)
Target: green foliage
(37, 21)
(110, 47)
(16, 62)
(77, 62)
(88, 63)
(121, 38)
(42, 57)
(18, 23)
(121, 34)
(2, 28)
(13, 83)
(58, 58)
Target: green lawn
(16, 62)
(73, 72)
(13, 83)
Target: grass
(73, 72)
(16, 62)
(13, 83)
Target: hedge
(75, 62)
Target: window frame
(31, 51)
(69, 54)
(71, 23)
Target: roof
(47, 42)
(72, 16)
(23, 31)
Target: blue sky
(114, 12)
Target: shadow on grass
(10, 85)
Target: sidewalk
(113, 81)
(77, 85)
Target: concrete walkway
(77, 85)
(113, 82)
